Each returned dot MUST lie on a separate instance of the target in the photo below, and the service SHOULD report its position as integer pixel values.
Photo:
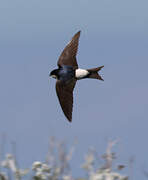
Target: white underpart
(54, 76)
(81, 73)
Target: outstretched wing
(68, 56)
(65, 96)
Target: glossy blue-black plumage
(64, 73)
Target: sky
(114, 33)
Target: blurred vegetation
(57, 165)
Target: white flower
(36, 165)
(107, 175)
(5, 164)
(67, 177)
(45, 168)
(40, 175)
(9, 162)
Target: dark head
(54, 73)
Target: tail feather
(94, 73)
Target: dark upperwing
(65, 96)
(68, 56)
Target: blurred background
(114, 34)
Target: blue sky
(114, 34)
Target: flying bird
(68, 73)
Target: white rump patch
(81, 73)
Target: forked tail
(94, 73)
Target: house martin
(68, 73)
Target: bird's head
(54, 73)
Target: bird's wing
(65, 96)
(68, 56)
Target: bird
(68, 73)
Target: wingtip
(101, 79)
(101, 67)
(68, 117)
(69, 120)
(78, 33)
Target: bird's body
(68, 73)
(65, 73)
